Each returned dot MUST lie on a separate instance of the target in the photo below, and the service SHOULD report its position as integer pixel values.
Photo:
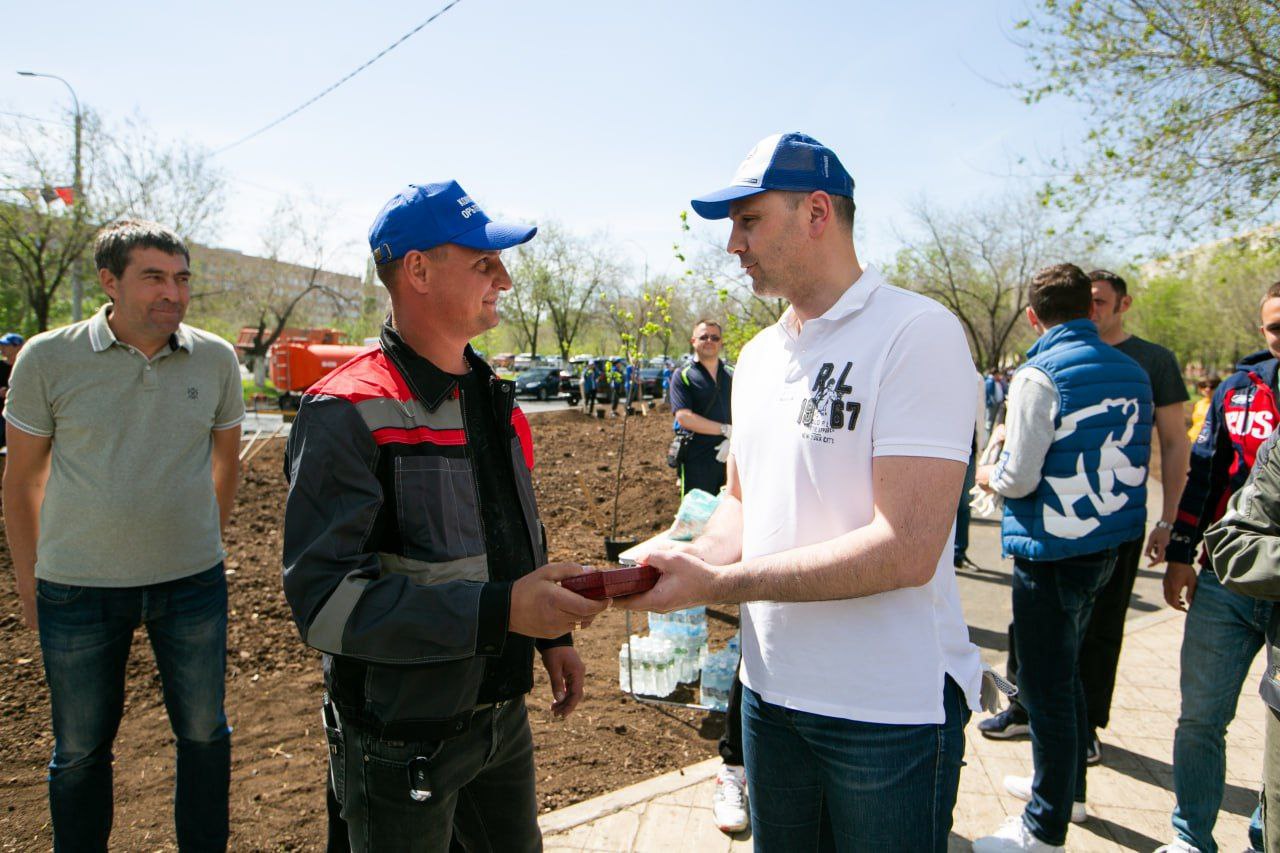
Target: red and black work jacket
(1241, 416)
(388, 559)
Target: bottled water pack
(675, 651)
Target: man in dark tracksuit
(411, 549)
(700, 400)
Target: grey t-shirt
(130, 499)
(1161, 367)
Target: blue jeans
(825, 783)
(85, 634)
(1223, 634)
(1052, 600)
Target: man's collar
(182, 339)
(428, 383)
(852, 300)
(101, 338)
(100, 335)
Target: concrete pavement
(1130, 797)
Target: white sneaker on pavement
(1012, 836)
(1178, 846)
(729, 804)
(1020, 787)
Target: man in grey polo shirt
(124, 432)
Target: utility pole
(77, 191)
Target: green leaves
(1182, 95)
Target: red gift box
(612, 583)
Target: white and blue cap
(422, 216)
(783, 161)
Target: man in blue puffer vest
(1073, 474)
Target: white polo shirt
(884, 372)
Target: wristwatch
(1163, 525)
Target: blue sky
(605, 116)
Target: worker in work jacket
(385, 562)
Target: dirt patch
(274, 684)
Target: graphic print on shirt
(825, 410)
(1097, 472)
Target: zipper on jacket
(475, 483)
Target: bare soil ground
(274, 683)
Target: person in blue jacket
(1073, 474)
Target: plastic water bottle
(646, 676)
(624, 669)
(699, 645)
(672, 674)
(680, 652)
(657, 623)
(716, 681)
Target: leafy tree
(527, 300)
(275, 291)
(44, 244)
(562, 274)
(1203, 304)
(718, 274)
(1185, 96)
(977, 263)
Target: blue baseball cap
(422, 216)
(781, 161)
(13, 339)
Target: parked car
(651, 381)
(569, 385)
(540, 382)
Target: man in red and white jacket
(414, 558)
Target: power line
(33, 118)
(308, 103)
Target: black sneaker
(1009, 723)
(1093, 752)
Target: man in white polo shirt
(853, 417)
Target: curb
(562, 820)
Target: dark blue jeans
(1052, 600)
(1223, 634)
(825, 783)
(85, 634)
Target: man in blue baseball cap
(10, 344)
(414, 558)
(852, 427)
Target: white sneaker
(729, 805)
(1178, 846)
(1012, 836)
(1020, 787)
